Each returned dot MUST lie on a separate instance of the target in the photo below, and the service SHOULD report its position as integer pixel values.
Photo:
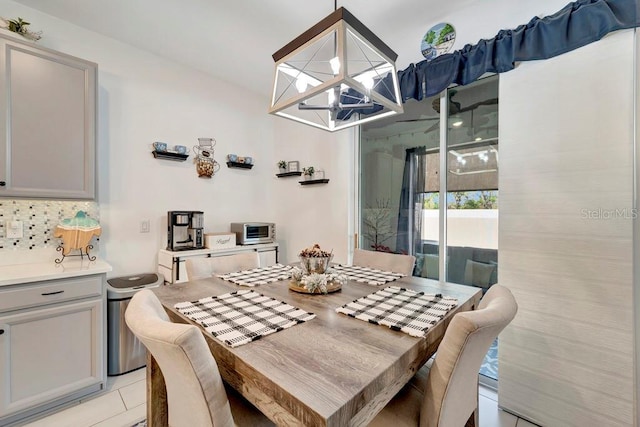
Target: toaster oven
(251, 233)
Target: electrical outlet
(14, 229)
(145, 226)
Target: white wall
(145, 98)
(565, 236)
(313, 213)
(477, 228)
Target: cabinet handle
(2, 183)
(51, 293)
(1, 331)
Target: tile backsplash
(39, 218)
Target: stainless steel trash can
(125, 353)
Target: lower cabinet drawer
(48, 292)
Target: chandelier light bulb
(332, 96)
(335, 65)
(301, 84)
(367, 81)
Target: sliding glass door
(407, 206)
(472, 193)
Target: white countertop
(24, 273)
(206, 251)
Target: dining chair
(196, 395)
(384, 261)
(201, 268)
(447, 395)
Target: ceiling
(234, 40)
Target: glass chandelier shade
(336, 75)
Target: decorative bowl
(315, 264)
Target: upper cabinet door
(48, 123)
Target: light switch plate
(14, 229)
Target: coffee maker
(185, 230)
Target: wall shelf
(239, 165)
(314, 181)
(286, 174)
(176, 157)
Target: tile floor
(123, 405)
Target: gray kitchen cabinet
(52, 345)
(47, 123)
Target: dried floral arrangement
(19, 26)
(315, 275)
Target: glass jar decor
(206, 166)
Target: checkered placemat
(401, 309)
(367, 275)
(242, 316)
(259, 276)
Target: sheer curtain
(410, 208)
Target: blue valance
(576, 25)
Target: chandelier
(336, 75)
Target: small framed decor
(293, 166)
(438, 40)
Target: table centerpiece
(314, 276)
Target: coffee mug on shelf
(248, 160)
(181, 149)
(232, 157)
(160, 146)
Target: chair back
(203, 268)
(451, 394)
(384, 261)
(195, 392)
(235, 262)
(198, 268)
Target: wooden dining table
(333, 370)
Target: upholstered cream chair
(201, 268)
(195, 392)
(447, 395)
(384, 261)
